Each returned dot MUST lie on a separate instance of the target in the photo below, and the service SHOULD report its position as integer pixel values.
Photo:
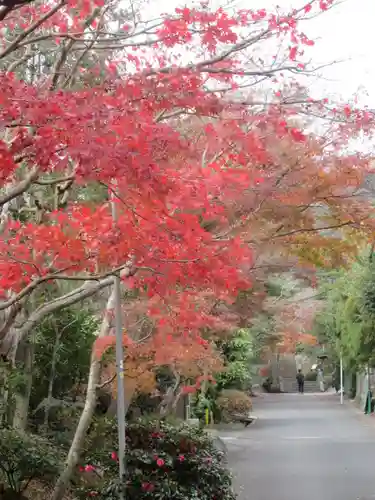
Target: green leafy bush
(165, 461)
(24, 457)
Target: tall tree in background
(345, 323)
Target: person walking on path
(301, 381)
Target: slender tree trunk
(4, 394)
(176, 400)
(22, 398)
(71, 462)
(112, 410)
(51, 380)
(169, 402)
(72, 459)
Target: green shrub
(164, 461)
(24, 457)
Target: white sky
(346, 32)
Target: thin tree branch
(106, 382)
(312, 230)
(19, 188)
(86, 291)
(27, 55)
(57, 276)
(15, 44)
(51, 182)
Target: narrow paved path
(304, 447)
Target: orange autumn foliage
(189, 358)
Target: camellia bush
(24, 458)
(165, 460)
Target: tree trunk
(51, 380)
(22, 398)
(4, 394)
(169, 403)
(72, 459)
(129, 393)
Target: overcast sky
(346, 32)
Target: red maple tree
(155, 118)
(132, 134)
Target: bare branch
(106, 382)
(314, 230)
(19, 188)
(52, 182)
(13, 312)
(71, 76)
(15, 44)
(27, 55)
(78, 37)
(87, 290)
(57, 276)
(219, 58)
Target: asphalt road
(304, 447)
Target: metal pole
(341, 381)
(369, 402)
(121, 414)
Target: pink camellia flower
(189, 389)
(181, 458)
(81, 469)
(89, 468)
(156, 435)
(114, 455)
(160, 462)
(147, 487)
(93, 494)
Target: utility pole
(121, 415)
(341, 381)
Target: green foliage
(16, 380)
(202, 402)
(24, 457)
(368, 290)
(282, 285)
(165, 461)
(67, 337)
(237, 352)
(262, 334)
(347, 321)
(240, 352)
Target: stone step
(291, 385)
